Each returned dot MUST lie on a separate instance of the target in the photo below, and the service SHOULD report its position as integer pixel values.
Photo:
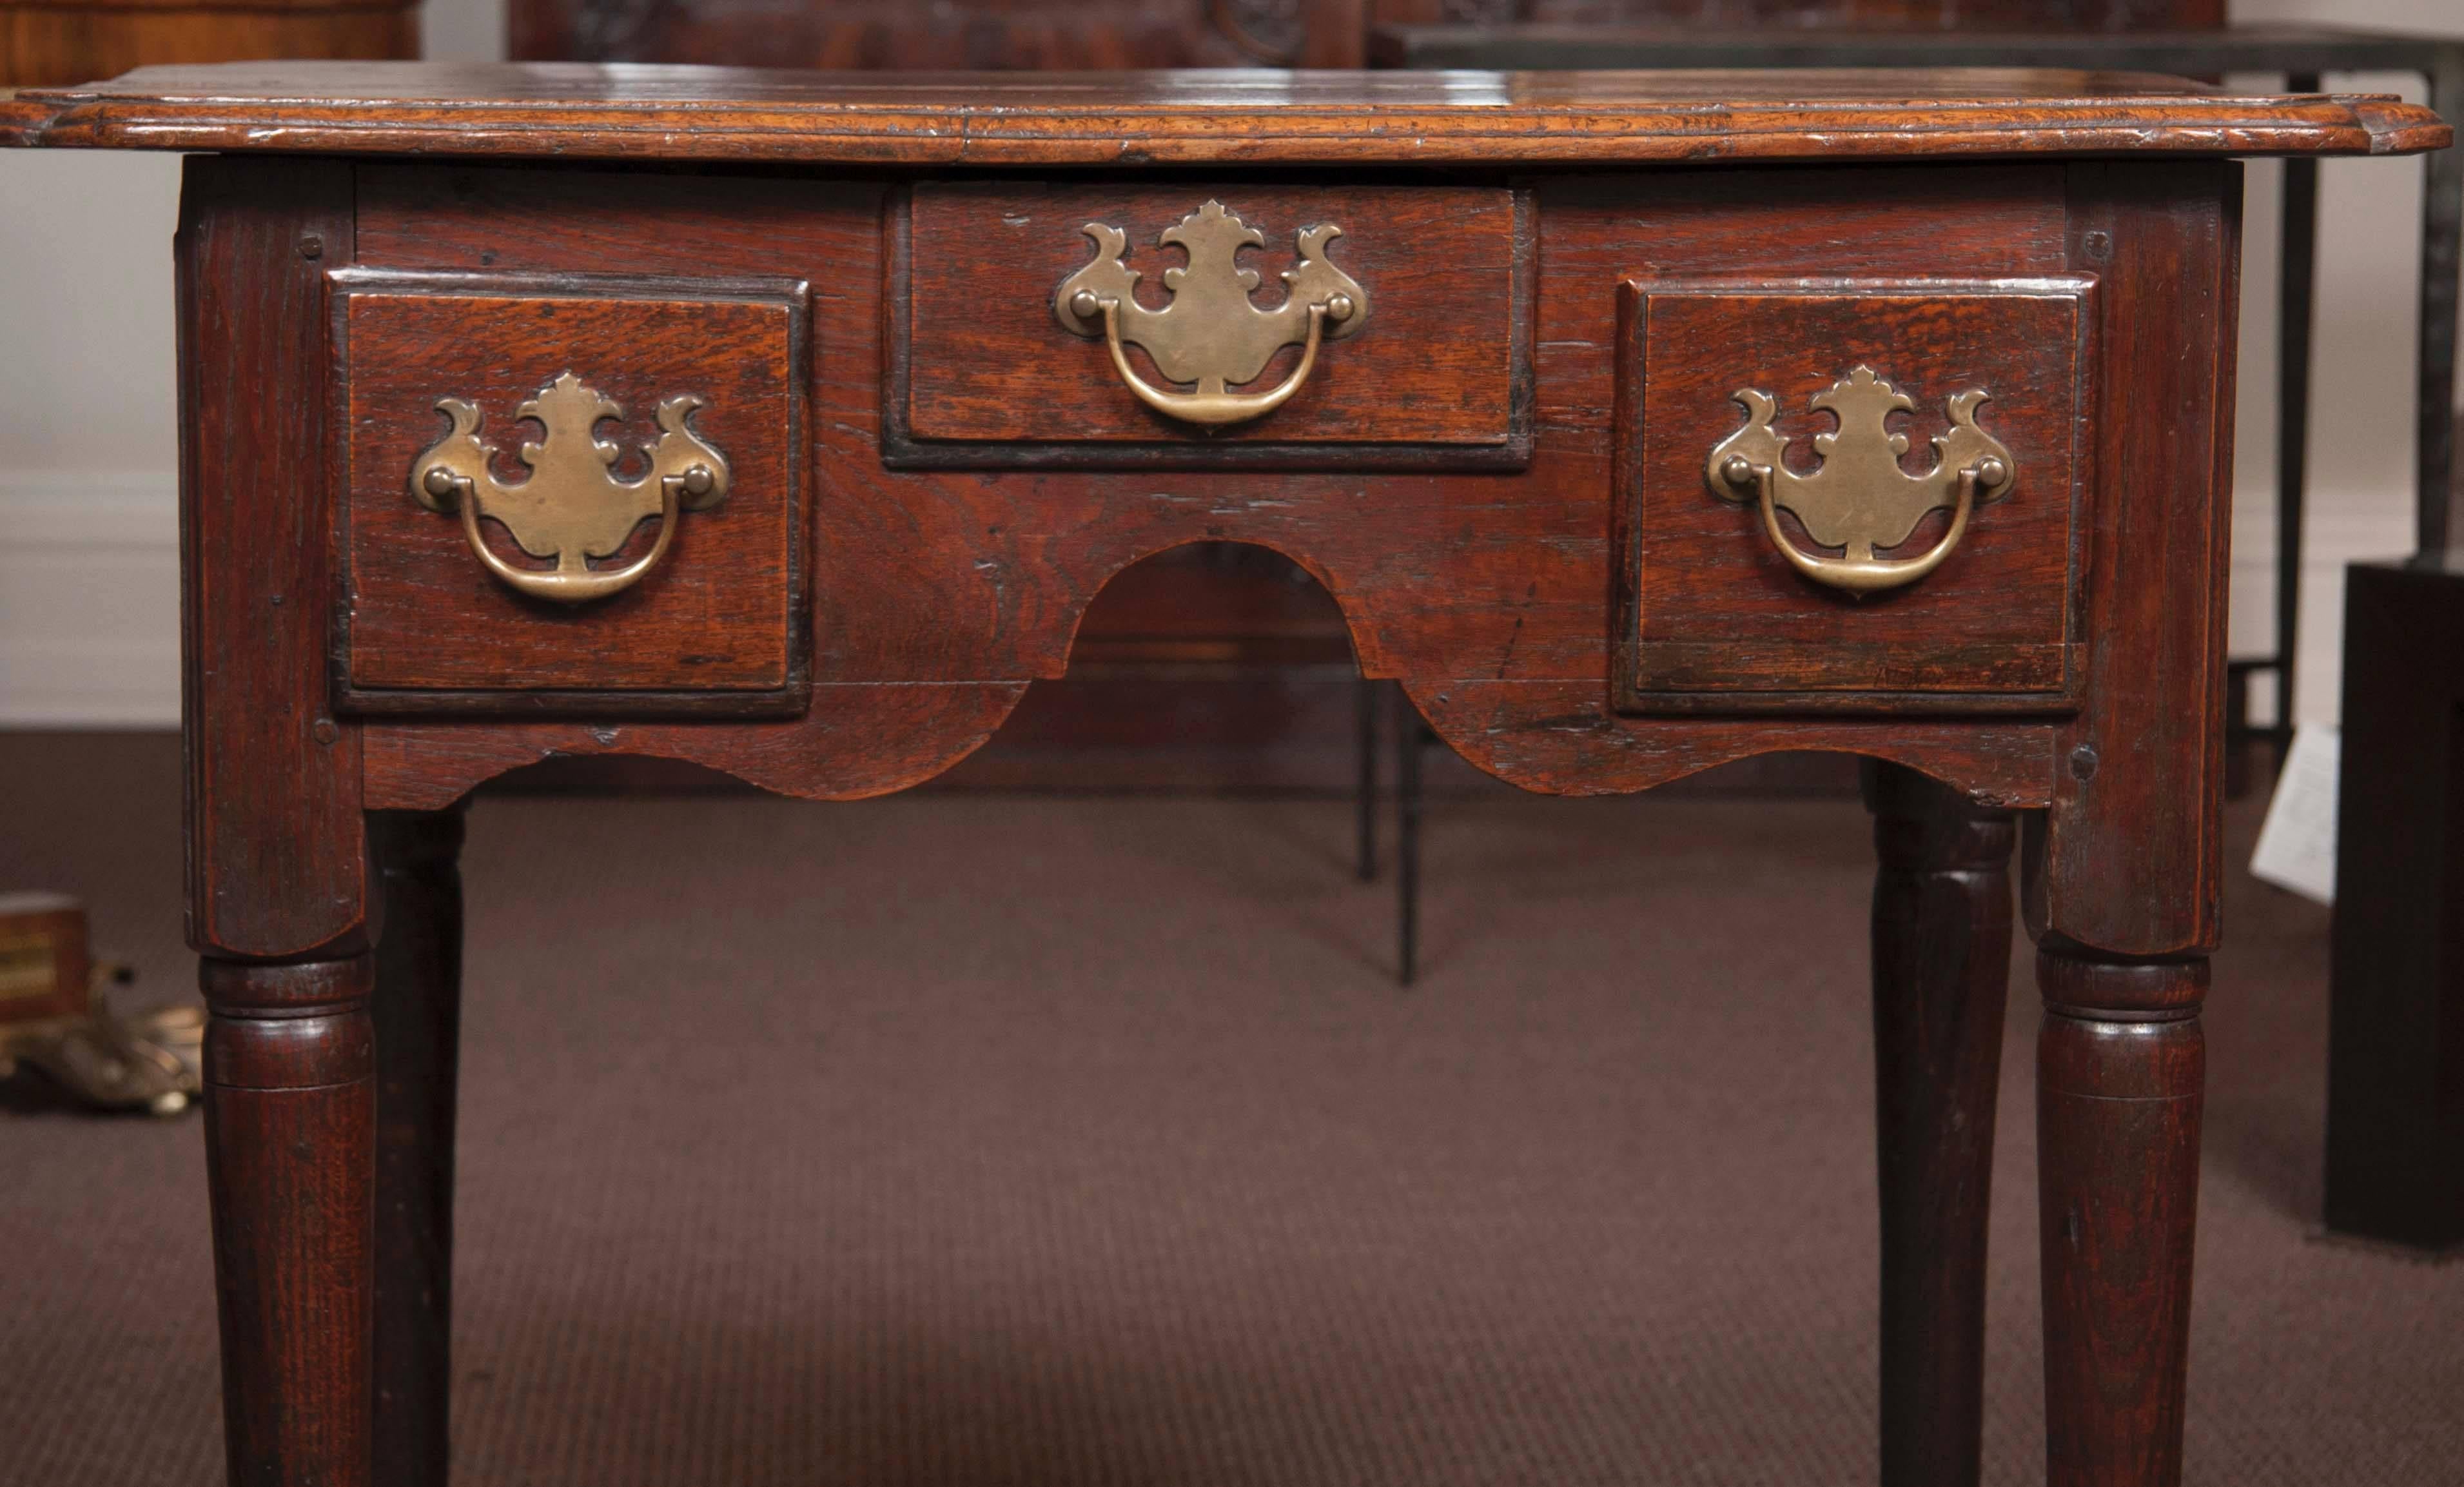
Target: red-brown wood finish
(1478, 594)
(2120, 1069)
(290, 1145)
(1941, 972)
(416, 1009)
(277, 860)
(2164, 240)
(1137, 120)
(984, 361)
(1716, 620)
(53, 43)
(937, 594)
(719, 613)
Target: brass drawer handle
(1861, 498)
(572, 508)
(1212, 334)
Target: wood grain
(1140, 119)
(416, 1013)
(721, 611)
(1437, 361)
(936, 595)
(290, 1108)
(1941, 969)
(2132, 864)
(277, 853)
(927, 579)
(57, 45)
(1713, 609)
(2119, 1100)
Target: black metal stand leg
(2442, 224)
(2297, 296)
(1411, 736)
(1365, 784)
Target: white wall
(89, 573)
(2361, 466)
(89, 629)
(88, 526)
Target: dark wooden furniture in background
(49, 43)
(2395, 1064)
(1050, 36)
(903, 35)
(1499, 584)
(1797, 16)
(2188, 40)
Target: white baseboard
(89, 600)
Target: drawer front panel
(1808, 589)
(678, 385)
(1426, 364)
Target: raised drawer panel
(1835, 611)
(709, 373)
(1434, 372)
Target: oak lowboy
(788, 423)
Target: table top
(1142, 119)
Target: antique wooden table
(787, 424)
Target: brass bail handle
(1861, 498)
(572, 508)
(1212, 334)
(1211, 404)
(1862, 575)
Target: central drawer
(1000, 351)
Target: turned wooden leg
(1942, 971)
(290, 1113)
(2120, 1067)
(418, 1014)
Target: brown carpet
(987, 1141)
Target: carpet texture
(1086, 1143)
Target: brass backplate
(1861, 498)
(1212, 334)
(573, 508)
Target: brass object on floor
(55, 1019)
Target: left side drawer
(575, 495)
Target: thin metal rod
(1411, 736)
(2296, 299)
(1364, 707)
(2442, 224)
